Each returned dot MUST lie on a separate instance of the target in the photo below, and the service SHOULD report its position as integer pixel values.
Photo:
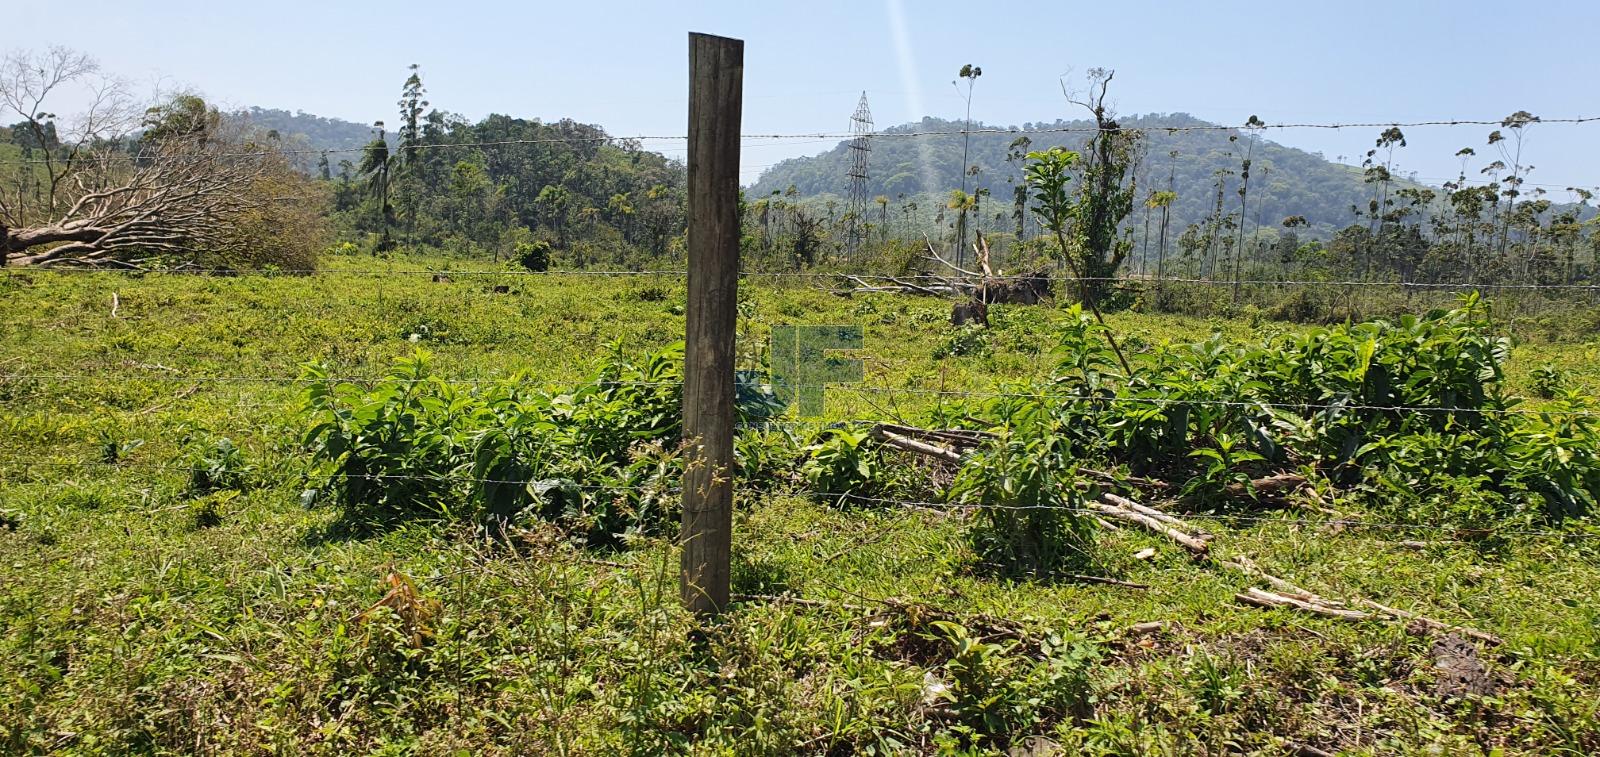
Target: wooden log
(912, 445)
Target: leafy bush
(963, 341)
(844, 465)
(1411, 412)
(1549, 381)
(601, 458)
(997, 694)
(532, 255)
(216, 464)
(841, 462)
(1029, 516)
(764, 458)
(1029, 509)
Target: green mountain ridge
(320, 133)
(1284, 181)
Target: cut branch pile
(175, 196)
(946, 445)
(1287, 595)
(1269, 487)
(1125, 509)
(983, 286)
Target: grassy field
(138, 616)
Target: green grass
(137, 615)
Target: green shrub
(843, 462)
(997, 694)
(1411, 412)
(216, 464)
(601, 458)
(532, 255)
(970, 340)
(1029, 517)
(1549, 381)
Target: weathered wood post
(716, 85)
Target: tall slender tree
(1252, 127)
(970, 73)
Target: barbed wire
(1091, 408)
(559, 481)
(179, 378)
(454, 477)
(886, 134)
(833, 275)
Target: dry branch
(1145, 629)
(959, 437)
(1248, 567)
(912, 445)
(1311, 602)
(1194, 544)
(1102, 580)
(1276, 485)
(1267, 599)
(1129, 504)
(1436, 625)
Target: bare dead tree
(1107, 185)
(55, 145)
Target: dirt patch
(1461, 672)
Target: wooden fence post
(716, 85)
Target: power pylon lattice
(860, 151)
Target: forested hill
(489, 184)
(320, 133)
(1284, 181)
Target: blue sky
(622, 64)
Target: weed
(1549, 381)
(843, 462)
(1029, 517)
(970, 340)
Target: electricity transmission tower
(860, 150)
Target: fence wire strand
(636, 142)
(852, 497)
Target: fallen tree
(984, 286)
(177, 184)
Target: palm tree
(375, 163)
